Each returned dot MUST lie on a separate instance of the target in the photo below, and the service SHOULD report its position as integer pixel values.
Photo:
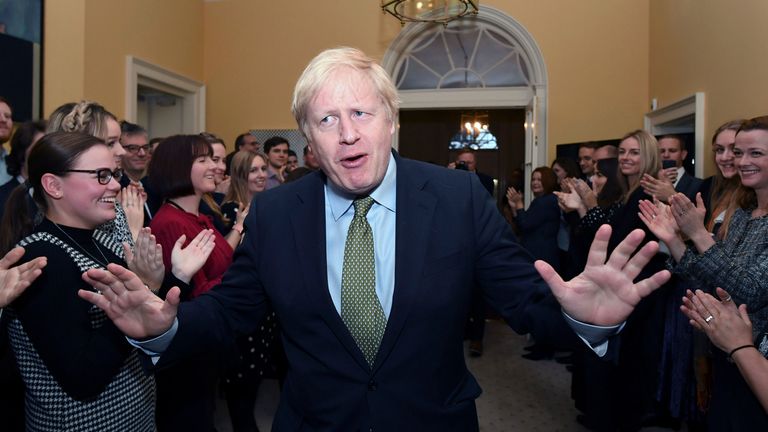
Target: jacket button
(372, 385)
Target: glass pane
(435, 56)
(507, 74)
(462, 78)
(418, 77)
(461, 45)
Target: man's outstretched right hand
(134, 309)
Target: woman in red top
(181, 171)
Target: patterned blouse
(79, 372)
(739, 265)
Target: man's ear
(52, 185)
(684, 154)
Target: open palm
(605, 293)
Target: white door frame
(139, 72)
(532, 98)
(683, 116)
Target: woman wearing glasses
(79, 372)
(93, 119)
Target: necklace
(103, 264)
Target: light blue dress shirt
(382, 216)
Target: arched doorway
(487, 62)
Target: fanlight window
(465, 55)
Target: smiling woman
(79, 372)
(182, 170)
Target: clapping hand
(14, 280)
(146, 259)
(689, 218)
(660, 188)
(657, 216)
(514, 198)
(726, 325)
(569, 201)
(186, 261)
(604, 293)
(132, 200)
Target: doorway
(163, 101)
(426, 135)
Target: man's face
(350, 132)
(278, 155)
(292, 163)
(137, 154)
(469, 159)
(671, 149)
(586, 160)
(250, 143)
(6, 122)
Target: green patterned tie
(360, 307)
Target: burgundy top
(169, 223)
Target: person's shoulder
(43, 243)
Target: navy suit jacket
(449, 237)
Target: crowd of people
(340, 279)
(84, 191)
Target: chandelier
(474, 132)
(432, 11)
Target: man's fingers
(94, 298)
(625, 249)
(635, 265)
(551, 277)
(599, 249)
(648, 285)
(171, 303)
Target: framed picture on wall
(21, 47)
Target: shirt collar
(384, 194)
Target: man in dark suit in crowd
(388, 249)
(466, 161)
(244, 141)
(475, 331)
(674, 178)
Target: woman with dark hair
(565, 167)
(26, 135)
(540, 222)
(79, 371)
(181, 172)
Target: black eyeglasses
(135, 148)
(103, 175)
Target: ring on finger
(727, 299)
(708, 319)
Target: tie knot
(362, 205)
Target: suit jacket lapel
(308, 223)
(415, 210)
